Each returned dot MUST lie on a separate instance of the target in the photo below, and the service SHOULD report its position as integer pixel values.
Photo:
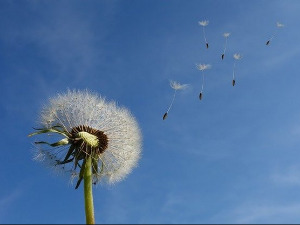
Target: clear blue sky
(231, 158)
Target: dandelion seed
(226, 35)
(204, 23)
(236, 56)
(202, 67)
(100, 142)
(176, 86)
(278, 25)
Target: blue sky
(231, 158)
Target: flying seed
(278, 25)
(176, 86)
(226, 35)
(236, 56)
(202, 67)
(204, 23)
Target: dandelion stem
(88, 192)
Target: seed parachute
(278, 25)
(226, 35)
(204, 23)
(202, 67)
(236, 56)
(176, 86)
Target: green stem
(88, 192)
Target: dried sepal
(49, 130)
(64, 141)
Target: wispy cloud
(257, 213)
(282, 58)
(7, 201)
(288, 177)
(72, 41)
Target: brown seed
(165, 116)
(200, 96)
(222, 56)
(206, 45)
(233, 82)
(268, 42)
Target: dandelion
(202, 67)
(204, 23)
(278, 25)
(176, 86)
(236, 56)
(99, 141)
(226, 35)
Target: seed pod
(165, 116)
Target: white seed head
(177, 86)
(279, 24)
(237, 56)
(203, 23)
(226, 35)
(82, 108)
(203, 66)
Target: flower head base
(177, 86)
(203, 23)
(237, 56)
(203, 67)
(226, 35)
(90, 126)
(89, 139)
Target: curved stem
(172, 101)
(202, 82)
(204, 34)
(225, 45)
(88, 192)
(233, 74)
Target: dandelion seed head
(177, 86)
(203, 23)
(279, 24)
(237, 56)
(97, 127)
(203, 66)
(226, 35)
